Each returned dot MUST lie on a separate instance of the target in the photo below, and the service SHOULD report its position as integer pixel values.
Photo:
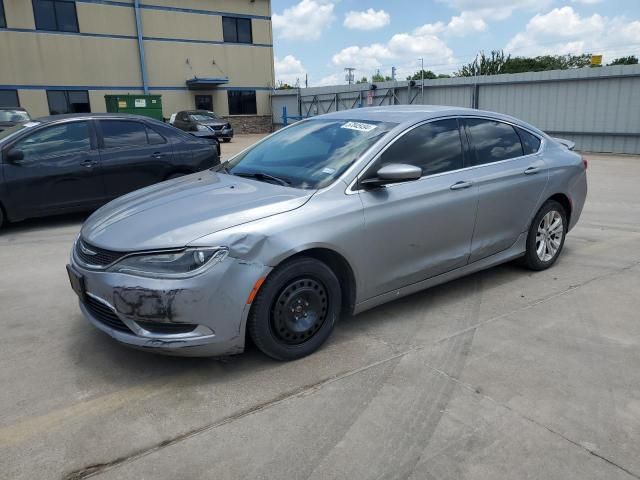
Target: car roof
(89, 116)
(411, 114)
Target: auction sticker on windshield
(361, 127)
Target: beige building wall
(179, 45)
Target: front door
(204, 102)
(132, 156)
(422, 228)
(511, 177)
(60, 171)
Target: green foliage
(428, 75)
(363, 80)
(378, 77)
(630, 60)
(498, 63)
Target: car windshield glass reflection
(312, 153)
(13, 116)
(204, 117)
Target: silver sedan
(328, 217)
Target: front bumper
(212, 306)
(213, 133)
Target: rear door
(511, 176)
(60, 171)
(133, 155)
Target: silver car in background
(328, 217)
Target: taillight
(585, 163)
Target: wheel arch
(563, 200)
(339, 265)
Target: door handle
(532, 170)
(461, 185)
(88, 163)
(157, 155)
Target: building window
(3, 19)
(242, 102)
(68, 101)
(9, 98)
(58, 15)
(237, 30)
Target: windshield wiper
(264, 177)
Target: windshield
(310, 154)
(204, 117)
(14, 116)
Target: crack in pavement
(95, 469)
(475, 391)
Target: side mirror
(393, 173)
(193, 128)
(15, 155)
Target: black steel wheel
(296, 309)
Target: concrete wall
(598, 108)
(183, 39)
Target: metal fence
(598, 108)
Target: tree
(499, 63)
(428, 75)
(630, 60)
(363, 80)
(378, 77)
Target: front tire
(296, 309)
(546, 236)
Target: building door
(204, 102)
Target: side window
(530, 143)
(122, 133)
(154, 137)
(56, 141)
(493, 141)
(435, 147)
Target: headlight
(176, 264)
(203, 128)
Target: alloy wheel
(549, 236)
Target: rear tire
(546, 236)
(226, 140)
(296, 309)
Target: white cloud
(563, 30)
(402, 51)
(333, 79)
(368, 20)
(305, 20)
(463, 24)
(289, 70)
(496, 9)
(587, 2)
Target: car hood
(175, 213)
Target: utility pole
(306, 80)
(393, 73)
(349, 76)
(422, 76)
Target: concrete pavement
(503, 374)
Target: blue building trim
(119, 87)
(177, 9)
(132, 37)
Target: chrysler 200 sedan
(330, 216)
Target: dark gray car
(330, 216)
(79, 162)
(203, 123)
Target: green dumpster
(147, 105)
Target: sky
(319, 38)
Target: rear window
(530, 143)
(493, 141)
(117, 133)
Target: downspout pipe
(143, 64)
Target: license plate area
(77, 282)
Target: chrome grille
(95, 256)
